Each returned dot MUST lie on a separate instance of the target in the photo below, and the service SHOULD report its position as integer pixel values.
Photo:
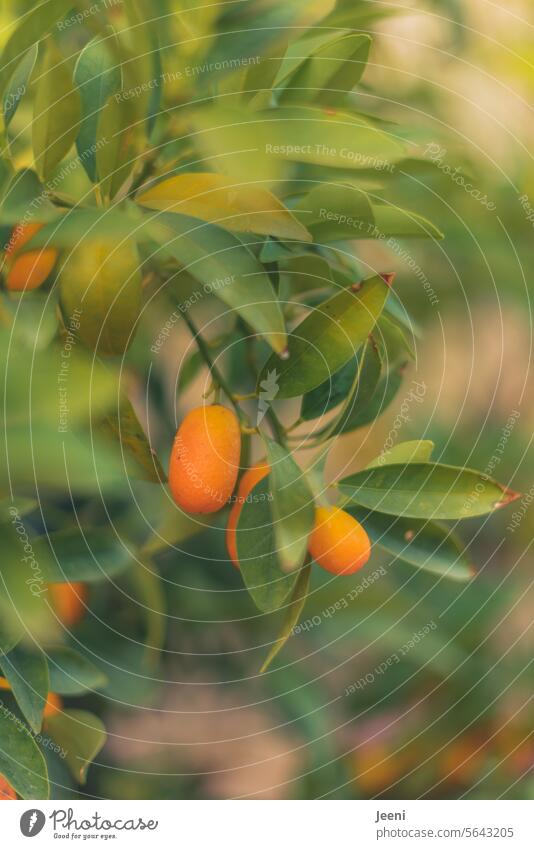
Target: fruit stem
(216, 375)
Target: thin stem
(216, 375)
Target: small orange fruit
(205, 459)
(338, 542)
(68, 601)
(6, 791)
(54, 704)
(33, 267)
(247, 483)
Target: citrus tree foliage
(166, 157)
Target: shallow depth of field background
(344, 713)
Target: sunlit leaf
(328, 338)
(81, 734)
(226, 201)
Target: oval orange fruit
(338, 543)
(33, 267)
(205, 459)
(68, 601)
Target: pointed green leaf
(98, 77)
(71, 673)
(293, 508)
(81, 734)
(328, 338)
(257, 552)
(426, 491)
(291, 616)
(27, 675)
(18, 84)
(322, 67)
(56, 113)
(31, 27)
(21, 761)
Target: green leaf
(353, 384)
(18, 84)
(226, 201)
(328, 338)
(98, 77)
(71, 674)
(21, 761)
(58, 387)
(31, 27)
(361, 392)
(365, 405)
(335, 212)
(89, 555)
(293, 508)
(393, 342)
(257, 551)
(264, 143)
(227, 269)
(24, 610)
(291, 616)
(413, 451)
(426, 491)
(321, 67)
(394, 221)
(115, 157)
(81, 734)
(56, 113)
(125, 427)
(426, 545)
(329, 394)
(27, 675)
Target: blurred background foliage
(452, 716)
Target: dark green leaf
(257, 551)
(292, 615)
(426, 545)
(98, 77)
(363, 408)
(27, 674)
(21, 761)
(71, 673)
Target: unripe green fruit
(100, 287)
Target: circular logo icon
(32, 822)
